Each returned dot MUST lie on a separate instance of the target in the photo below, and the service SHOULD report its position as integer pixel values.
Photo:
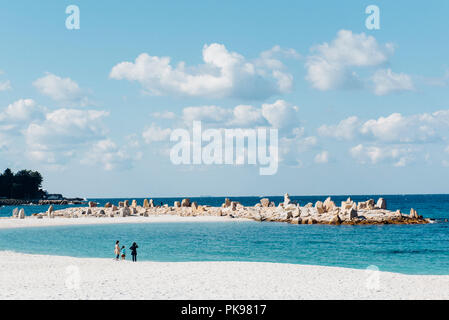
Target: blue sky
(360, 111)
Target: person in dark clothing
(133, 249)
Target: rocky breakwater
(322, 212)
(327, 212)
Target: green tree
(25, 184)
(6, 181)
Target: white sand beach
(24, 276)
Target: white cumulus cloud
(106, 154)
(63, 90)
(386, 81)
(63, 131)
(246, 115)
(332, 64)
(394, 128)
(21, 110)
(223, 74)
(397, 128)
(209, 114)
(156, 134)
(376, 154)
(322, 157)
(345, 129)
(5, 85)
(281, 114)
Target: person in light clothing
(117, 250)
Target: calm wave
(411, 249)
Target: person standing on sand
(123, 251)
(133, 249)
(117, 250)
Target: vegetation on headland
(24, 184)
(25, 187)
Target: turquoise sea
(410, 249)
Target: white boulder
(381, 203)
(286, 199)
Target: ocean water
(409, 249)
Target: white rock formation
(329, 205)
(124, 212)
(319, 207)
(286, 200)
(381, 203)
(366, 212)
(185, 202)
(227, 203)
(265, 202)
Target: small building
(54, 197)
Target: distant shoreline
(22, 202)
(269, 195)
(84, 201)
